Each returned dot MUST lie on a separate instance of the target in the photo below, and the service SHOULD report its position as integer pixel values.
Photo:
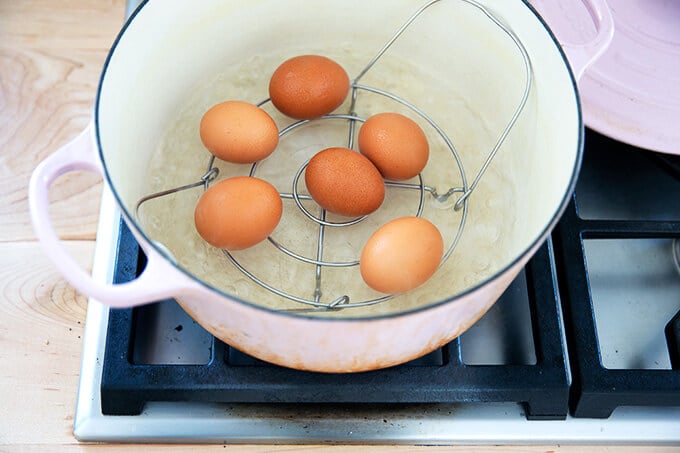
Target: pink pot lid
(632, 92)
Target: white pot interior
(177, 58)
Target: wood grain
(40, 336)
(51, 54)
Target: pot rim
(544, 234)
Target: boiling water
(486, 242)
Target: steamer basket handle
(158, 281)
(581, 56)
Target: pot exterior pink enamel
(342, 346)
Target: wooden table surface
(51, 54)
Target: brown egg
(344, 182)
(239, 132)
(401, 255)
(395, 144)
(237, 213)
(308, 86)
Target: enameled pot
(455, 62)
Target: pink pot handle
(158, 281)
(581, 56)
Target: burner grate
(597, 390)
(233, 377)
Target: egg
(395, 144)
(238, 212)
(308, 86)
(401, 255)
(344, 182)
(238, 132)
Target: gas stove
(583, 348)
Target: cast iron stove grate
(597, 390)
(233, 377)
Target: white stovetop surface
(487, 424)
